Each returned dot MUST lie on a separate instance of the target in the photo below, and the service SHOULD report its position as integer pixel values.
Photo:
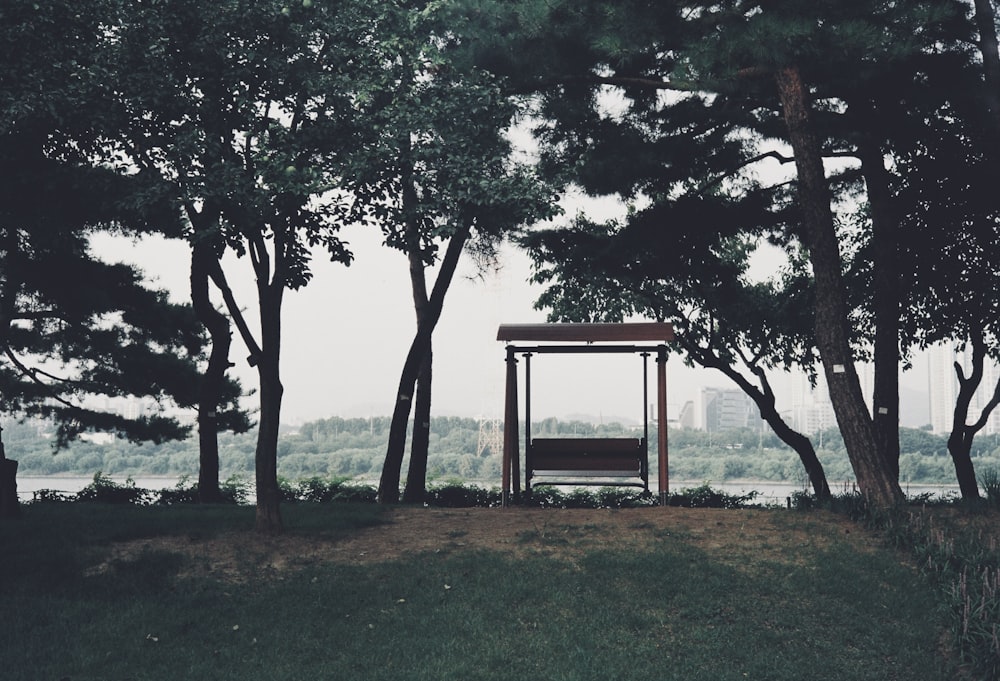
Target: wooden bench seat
(587, 457)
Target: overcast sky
(346, 334)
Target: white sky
(346, 334)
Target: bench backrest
(624, 455)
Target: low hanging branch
(33, 375)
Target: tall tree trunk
(886, 301)
(271, 391)
(266, 456)
(213, 380)
(427, 319)
(388, 486)
(416, 473)
(873, 472)
(266, 357)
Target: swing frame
(583, 461)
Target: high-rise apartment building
(942, 384)
(727, 408)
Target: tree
(439, 172)
(694, 278)
(216, 391)
(72, 328)
(247, 112)
(949, 260)
(748, 68)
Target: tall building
(943, 388)
(727, 408)
(810, 419)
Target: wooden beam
(588, 333)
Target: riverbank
(769, 493)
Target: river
(769, 492)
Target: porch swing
(589, 461)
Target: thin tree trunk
(416, 473)
(427, 316)
(388, 486)
(960, 449)
(266, 358)
(803, 446)
(963, 434)
(213, 380)
(873, 472)
(271, 392)
(764, 398)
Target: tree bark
(886, 302)
(960, 449)
(416, 473)
(213, 379)
(10, 507)
(388, 486)
(962, 434)
(427, 319)
(271, 391)
(764, 398)
(874, 474)
(266, 357)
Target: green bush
(235, 489)
(318, 490)
(546, 496)
(704, 496)
(181, 493)
(457, 495)
(989, 480)
(105, 490)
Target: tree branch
(219, 279)
(32, 374)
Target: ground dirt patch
(742, 537)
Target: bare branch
(33, 375)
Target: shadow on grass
(672, 612)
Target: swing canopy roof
(588, 333)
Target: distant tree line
(354, 448)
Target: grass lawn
(672, 606)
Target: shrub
(457, 495)
(105, 490)
(989, 480)
(802, 500)
(51, 495)
(704, 496)
(547, 496)
(235, 490)
(316, 489)
(181, 493)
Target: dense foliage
(355, 447)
